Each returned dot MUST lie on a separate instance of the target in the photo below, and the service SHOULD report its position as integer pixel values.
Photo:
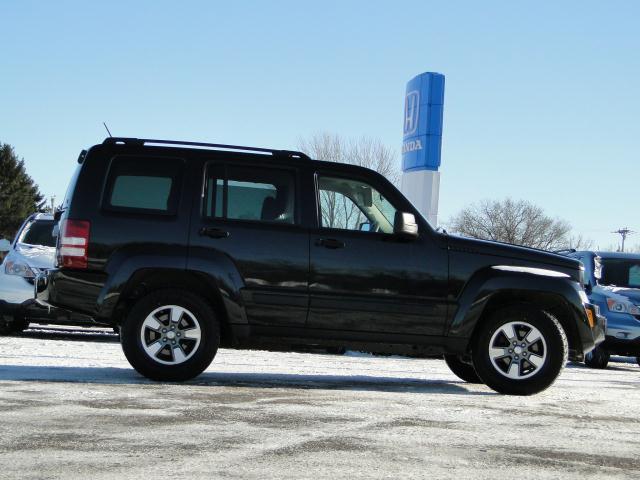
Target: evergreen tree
(19, 195)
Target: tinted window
(354, 205)
(38, 232)
(144, 184)
(243, 193)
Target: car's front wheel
(462, 370)
(597, 358)
(520, 350)
(17, 325)
(170, 335)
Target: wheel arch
(551, 303)
(490, 290)
(148, 280)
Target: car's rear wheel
(597, 358)
(170, 335)
(520, 350)
(462, 370)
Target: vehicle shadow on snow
(125, 376)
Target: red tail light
(73, 245)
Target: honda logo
(411, 111)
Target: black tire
(462, 370)
(597, 358)
(12, 327)
(549, 351)
(198, 356)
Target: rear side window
(248, 193)
(144, 184)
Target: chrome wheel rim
(170, 335)
(517, 350)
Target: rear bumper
(70, 290)
(38, 310)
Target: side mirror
(597, 267)
(365, 227)
(404, 225)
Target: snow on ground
(73, 408)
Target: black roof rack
(215, 146)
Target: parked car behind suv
(613, 280)
(31, 252)
(191, 246)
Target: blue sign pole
(422, 142)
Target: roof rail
(214, 146)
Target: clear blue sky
(542, 98)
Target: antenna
(623, 232)
(105, 126)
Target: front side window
(353, 205)
(248, 193)
(144, 184)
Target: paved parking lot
(71, 407)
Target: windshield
(38, 232)
(620, 272)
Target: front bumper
(625, 348)
(14, 289)
(16, 300)
(622, 326)
(591, 331)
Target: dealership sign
(422, 139)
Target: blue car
(613, 283)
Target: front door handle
(330, 243)
(213, 232)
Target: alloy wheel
(170, 335)
(517, 350)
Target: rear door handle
(213, 232)
(330, 243)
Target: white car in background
(32, 251)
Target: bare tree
(578, 242)
(518, 222)
(364, 151)
(338, 211)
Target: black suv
(189, 246)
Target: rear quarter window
(143, 184)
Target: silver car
(31, 252)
